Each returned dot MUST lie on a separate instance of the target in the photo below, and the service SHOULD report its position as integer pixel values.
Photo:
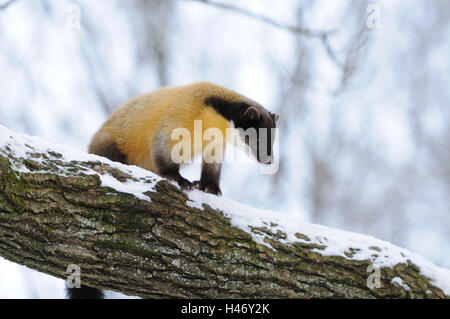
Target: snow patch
(335, 242)
(23, 146)
(399, 282)
(135, 188)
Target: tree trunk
(55, 212)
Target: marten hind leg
(170, 170)
(104, 145)
(165, 166)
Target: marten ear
(252, 114)
(276, 117)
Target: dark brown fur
(109, 149)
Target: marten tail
(84, 293)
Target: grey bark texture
(56, 214)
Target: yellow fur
(134, 126)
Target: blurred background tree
(362, 90)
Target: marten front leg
(210, 179)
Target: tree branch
(291, 28)
(5, 5)
(135, 233)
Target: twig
(6, 4)
(319, 34)
(267, 20)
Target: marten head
(255, 124)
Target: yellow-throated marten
(139, 132)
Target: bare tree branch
(323, 36)
(291, 28)
(5, 5)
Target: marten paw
(208, 188)
(185, 184)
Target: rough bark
(56, 215)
